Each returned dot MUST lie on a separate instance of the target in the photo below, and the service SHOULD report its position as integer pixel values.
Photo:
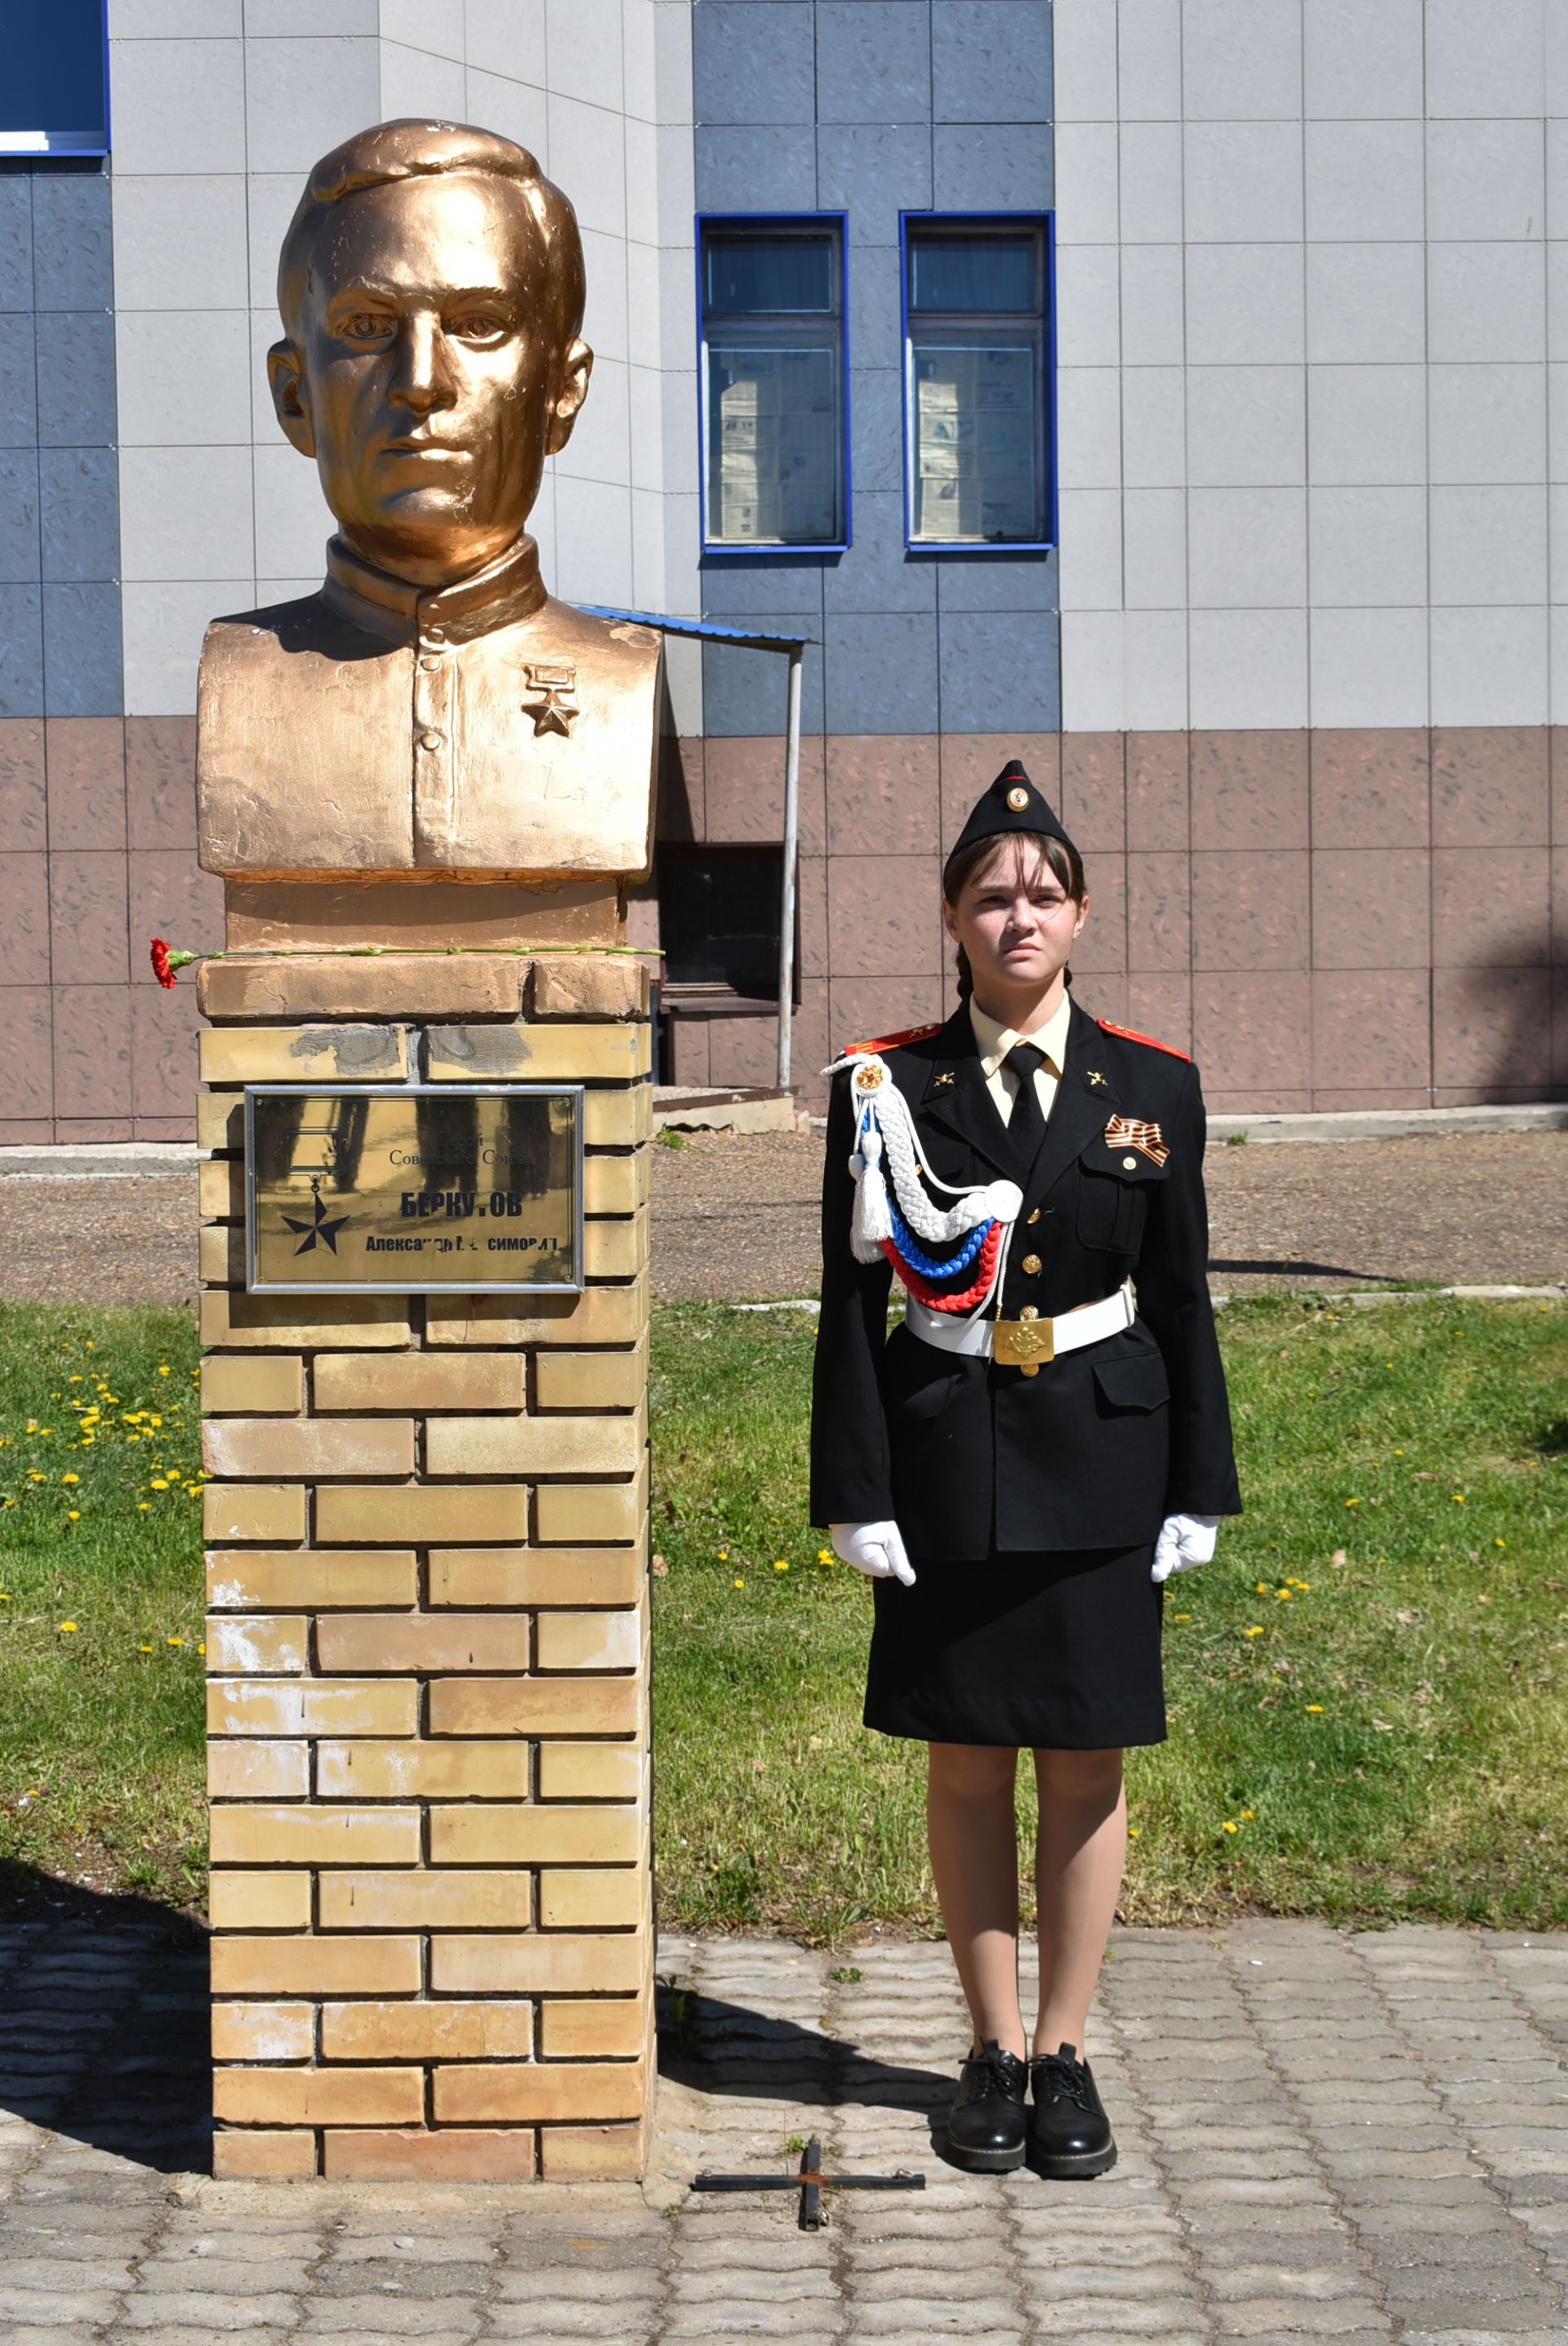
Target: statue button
(435, 635)
(1031, 1264)
(429, 665)
(433, 742)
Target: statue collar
(507, 589)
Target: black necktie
(1026, 1129)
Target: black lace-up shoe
(1069, 2133)
(986, 2127)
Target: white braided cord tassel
(885, 1127)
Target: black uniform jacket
(1098, 1447)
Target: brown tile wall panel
(171, 897)
(88, 932)
(1370, 1026)
(1491, 907)
(1103, 944)
(164, 1073)
(1251, 1030)
(86, 759)
(1158, 787)
(1491, 1027)
(1250, 910)
(1370, 788)
(1160, 1004)
(811, 891)
(1559, 1030)
(1249, 789)
(1103, 994)
(884, 788)
(160, 782)
(744, 1051)
(92, 1049)
(882, 915)
(1559, 923)
(23, 918)
(1372, 908)
(860, 1007)
(685, 1044)
(1405, 1097)
(745, 789)
(1092, 803)
(26, 1081)
(679, 808)
(1490, 785)
(1558, 758)
(23, 800)
(1159, 910)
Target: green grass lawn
(1366, 1687)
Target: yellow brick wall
(427, 1648)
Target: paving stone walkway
(1357, 2136)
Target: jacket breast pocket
(1136, 1381)
(1114, 1199)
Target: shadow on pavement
(719, 2047)
(104, 2034)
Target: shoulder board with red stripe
(893, 1041)
(1130, 1035)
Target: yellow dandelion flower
(68, 1629)
(144, 1650)
(1352, 1503)
(1228, 1827)
(1256, 1630)
(73, 1515)
(1283, 1595)
(70, 1478)
(1132, 1832)
(1181, 1617)
(1497, 1543)
(32, 1425)
(174, 1642)
(159, 1484)
(163, 1368)
(1314, 1707)
(202, 1650)
(741, 1583)
(824, 1555)
(155, 1420)
(1261, 1589)
(1458, 1497)
(75, 1380)
(1247, 1815)
(724, 1555)
(144, 1508)
(780, 1565)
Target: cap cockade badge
(1132, 1132)
(551, 698)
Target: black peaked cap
(1011, 803)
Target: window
(718, 922)
(54, 78)
(977, 423)
(773, 375)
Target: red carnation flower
(165, 961)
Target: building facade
(1172, 393)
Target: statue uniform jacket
(972, 1456)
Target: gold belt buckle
(1025, 1343)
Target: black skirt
(1057, 1650)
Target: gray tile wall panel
(82, 663)
(990, 61)
(1000, 670)
(78, 501)
(873, 61)
(882, 672)
(873, 171)
(21, 651)
(755, 168)
(18, 380)
(755, 61)
(15, 240)
(992, 582)
(1009, 168)
(73, 259)
(743, 692)
(744, 588)
(877, 574)
(75, 379)
(19, 559)
(876, 413)
(872, 275)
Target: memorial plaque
(396, 1189)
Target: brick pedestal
(427, 1558)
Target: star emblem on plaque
(322, 1228)
(552, 696)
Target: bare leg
(1080, 1852)
(973, 1837)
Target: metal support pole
(791, 841)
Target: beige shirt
(994, 1043)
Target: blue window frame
(54, 80)
(773, 375)
(980, 423)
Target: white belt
(1026, 1341)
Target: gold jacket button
(1129, 1164)
(1030, 1311)
(1031, 1264)
(1032, 1218)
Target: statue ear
(286, 374)
(572, 389)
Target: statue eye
(480, 326)
(365, 326)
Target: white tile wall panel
(1088, 305)
(1366, 302)
(1557, 422)
(1367, 547)
(1247, 548)
(1485, 179)
(1363, 59)
(1557, 510)
(1153, 549)
(1486, 300)
(511, 107)
(1488, 666)
(293, 519)
(584, 43)
(1249, 668)
(1150, 166)
(1366, 181)
(587, 158)
(178, 107)
(183, 375)
(506, 37)
(594, 541)
(265, 16)
(1557, 666)
(303, 98)
(164, 622)
(1150, 66)
(1488, 546)
(434, 25)
(1154, 427)
(1092, 550)
(1093, 671)
(1243, 178)
(1088, 404)
(1485, 61)
(600, 447)
(1557, 300)
(1555, 56)
(1487, 422)
(1246, 426)
(1153, 297)
(1083, 42)
(1087, 200)
(1367, 423)
(144, 20)
(1245, 305)
(182, 507)
(1241, 59)
(1370, 668)
(420, 81)
(1556, 167)
(180, 242)
(604, 321)
(1155, 691)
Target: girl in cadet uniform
(1019, 1465)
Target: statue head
(430, 286)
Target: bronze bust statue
(432, 712)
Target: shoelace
(1001, 2069)
(1068, 2081)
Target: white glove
(875, 1550)
(1185, 1542)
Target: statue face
(426, 373)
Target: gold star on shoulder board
(552, 686)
